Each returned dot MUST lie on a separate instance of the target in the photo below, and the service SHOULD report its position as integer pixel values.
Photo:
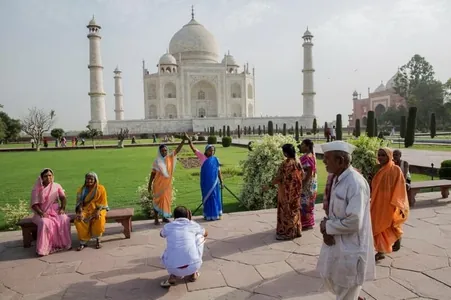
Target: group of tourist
(48, 202)
(363, 219)
(356, 232)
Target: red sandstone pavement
(242, 260)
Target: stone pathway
(422, 158)
(242, 260)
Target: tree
(57, 134)
(432, 127)
(416, 71)
(264, 129)
(357, 128)
(339, 128)
(402, 128)
(270, 128)
(411, 125)
(314, 126)
(13, 127)
(224, 130)
(325, 129)
(376, 131)
(228, 130)
(302, 131)
(239, 132)
(296, 132)
(259, 130)
(284, 130)
(92, 134)
(370, 124)
(393, 115)
(121, 136)
(2, 131)
(36, 123)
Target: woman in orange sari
(91, 209)
(389, 204)
(160, 183)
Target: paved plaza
(242, 260)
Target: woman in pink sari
(53, 223)
(309, 184)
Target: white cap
(337, 146)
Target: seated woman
(184, 247)
(91, 209)
(53, 223)
(289, 181)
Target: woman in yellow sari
(160, 183)
(389, 204)
(91, 209)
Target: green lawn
(121, 171)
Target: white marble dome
(230, 60)
(195, 43)
(380, 88)
(167, 59)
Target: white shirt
(350, 261)
(332, 132)
(181, 245)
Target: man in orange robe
(389, 204)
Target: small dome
(380, 88)
(167, 59)
(92, 22)
(230, 60)
(355, 94)
(307, 33)
(195, 43)
(117, 70)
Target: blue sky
(358, 43)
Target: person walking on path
(346, 259)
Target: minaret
(96, 91)
(308, 91)
(118, 97)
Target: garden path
(242, 260)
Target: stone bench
(416, 187)
(120, 215)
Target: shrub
(357, 128)
(284, 130)
(144, 136)
(445, 169)
(338, 128)
(145, 198)
(370, 124)
(13, 213)
(201, 138)
(433, 126)
(402, 128)
(364, 157)
(226, 141)
(270, 128)
(212, 140)
(411, 125)
(259, 169)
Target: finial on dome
(192, 12)
(228, 52)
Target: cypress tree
(270, 128)
(302, 131)
(326, 127)
(253, 130)
(224, 130)
(228, 130)
(314, 126)
(239, 132)
(264, 129)
(284, 130)
(411, 125)
(433, 126)
(357, 128)
(370, 124)
(259, 130)
(339, 128)
(220, 132)
(376, 131)
(296, 133)
(277, 128)
(403, 127)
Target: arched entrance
(170, 111)
(250, 110)
(379, 110)
(204, 99)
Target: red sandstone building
(378, 101)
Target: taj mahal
(191, 89)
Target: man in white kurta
(346, 260)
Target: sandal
(98, 245)
(81, 247)
(194, 277)
(166, 220)
(168, 282)
(379, 256)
